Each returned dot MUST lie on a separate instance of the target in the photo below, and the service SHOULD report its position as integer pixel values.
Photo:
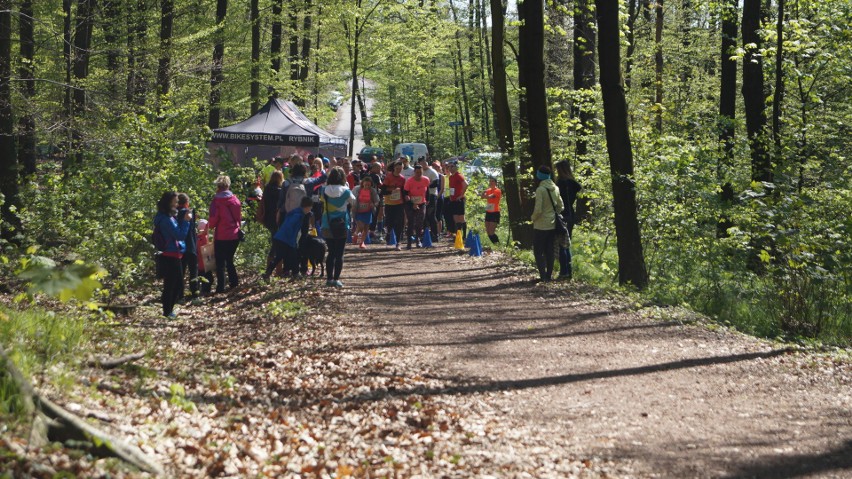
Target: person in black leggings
(337, 200)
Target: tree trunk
(631, 261)
(354, 72)
(112, 23)
(727, 111)
(216, 77)
(306, 43)
(317, 67)
(539, 129)
(67, 41)
(778, 96)
(503, 120)
(27, 143)
(254, 88)
(584, 80)
(137, 54)
(468, 128)
(658, 68)
(167, 16)
(10, 224)
(632, 15)
(275, 47)
(294, 44)
(483, 77)
(753, 94)
(526, 184)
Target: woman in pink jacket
(225, 217)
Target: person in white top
(407, 169)
(431, 206)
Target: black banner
(264, 139)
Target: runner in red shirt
(458, 187)
(394, 209)
(416, 189)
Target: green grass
(37, 341)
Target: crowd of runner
(313, 207)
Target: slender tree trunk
(67, 41)
(216, 77)
(483, 86)
(27, 149)
(167, 15)
(489, 87)
(778, 96)
(275, 47)
(632, 15)
(317, 67)
(306, 43)
(10, 224)
(727, 110)
(503, 120)
(631, 261)
(468, 128)
(137, 60)
(584, 80)
(354, 72)
(254, 88)
(658, 68)
(753, 93)
(526, 184)
(112, 26)
(294, 44)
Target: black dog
(312, 249)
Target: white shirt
(407, 172)
(432, 175)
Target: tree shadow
(523, 384)
(838, 460)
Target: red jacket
(225, 216)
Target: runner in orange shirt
(492, 209)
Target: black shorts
(493, 217)
(456, 207)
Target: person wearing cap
(492, 209)
(548, 204)
(458, 188)
(432, 195)
(392, 189)
(415, 194)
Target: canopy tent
(277, 129)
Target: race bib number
(396, 195)
(452, 191)
(491, 208)
(417, 200)
(315, 198)
(365, 207)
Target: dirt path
(658, 398)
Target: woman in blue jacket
(170, 235)
(337, 200)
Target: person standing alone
(548, 204)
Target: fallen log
(110, 363)
(53, 422)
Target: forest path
(662, 398)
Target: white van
(413, 150)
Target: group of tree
(710, 135)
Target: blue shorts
(365, 218)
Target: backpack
(293, 196)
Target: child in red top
(207, 276)
(492, 209)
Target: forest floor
(431, 363)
